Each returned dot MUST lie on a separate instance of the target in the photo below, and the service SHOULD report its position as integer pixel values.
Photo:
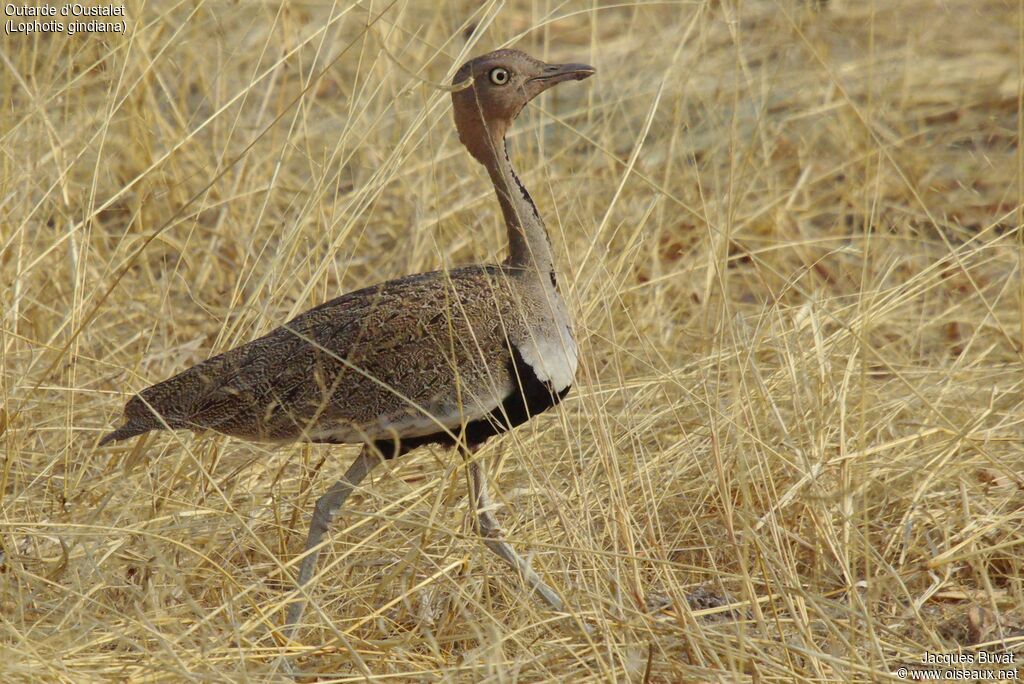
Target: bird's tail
(124, 432)
(138, 419)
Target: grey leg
(491, 532)
(327, 506)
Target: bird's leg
(327, 506)
(491, 533)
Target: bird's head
(502, 83)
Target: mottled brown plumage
(360, 367)
(448, 357)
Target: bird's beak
(556, 73)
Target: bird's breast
(552, 355)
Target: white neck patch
(553, 358)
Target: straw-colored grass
(791, 236)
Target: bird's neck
(529, 246)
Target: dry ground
(791, 233)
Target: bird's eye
(499, 76)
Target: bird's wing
(410, 356)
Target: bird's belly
(537, 377)
(442, 416)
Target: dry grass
(792, 237)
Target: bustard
(449, 357)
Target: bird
(449, 358)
